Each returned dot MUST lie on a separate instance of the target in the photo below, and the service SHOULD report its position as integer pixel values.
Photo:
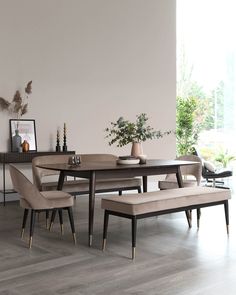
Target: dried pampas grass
(19, 105)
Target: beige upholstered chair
(80, 186)
(32, 199)
(191, 174)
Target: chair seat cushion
(170, 184)
(82, 185)
(55, 199)
(135, 204)
(218, 174)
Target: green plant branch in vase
(123, 132)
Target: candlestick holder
(64, 139)
(58, 147)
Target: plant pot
(137, 149)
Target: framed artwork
(20, 130)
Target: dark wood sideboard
(10, 157)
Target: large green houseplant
(123, 132)
(187, 128)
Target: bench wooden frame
(134, 218)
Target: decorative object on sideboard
(19, 105)
(25, 146)
(25, 128)
(16, 142)
(123, 132)
(58, 147)
(64, 138)
(74, 160)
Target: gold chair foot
(62, 229)
(50, 226)
(30, 242)
(133, 253)
(74, 238)
(104, 242)
(22, 233)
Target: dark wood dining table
(110, 169)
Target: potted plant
(123, 132)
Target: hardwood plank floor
(171, 259)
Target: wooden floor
(171, 259)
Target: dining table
(111, 169)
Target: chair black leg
(26, 211)
(134, 230)
(120, 193)
(32, 222)
(47, 218)
(139, 190)
(198, 217)
(61, 220)
(54, 211)
(226, 206)
(71, 218)
(105, 227)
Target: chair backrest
(190, 170)
(27, 190)
(39, 173)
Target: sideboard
(11, 157)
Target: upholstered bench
(137, 206)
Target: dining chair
(191, 174)
(31, 199)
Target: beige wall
(90, 61)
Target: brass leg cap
(50, 226)
(30, 242)
(133, 253)
(104, 242)
(62, 229)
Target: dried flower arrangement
(19, 104)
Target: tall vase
(16, 142)
(137, 149)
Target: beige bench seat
(137, 206)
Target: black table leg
(179, 177)
(92, 182)
(61, 181)
(144, 184)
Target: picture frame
(25, 128)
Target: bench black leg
(227, 215)
(105, 227)
(54, 211)
(120, 193)
(72, 225)
(139, 190)
(134, 230)
(26, 211)
(198, 217)
(61, 220)
(32, 222)
(188, 216)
